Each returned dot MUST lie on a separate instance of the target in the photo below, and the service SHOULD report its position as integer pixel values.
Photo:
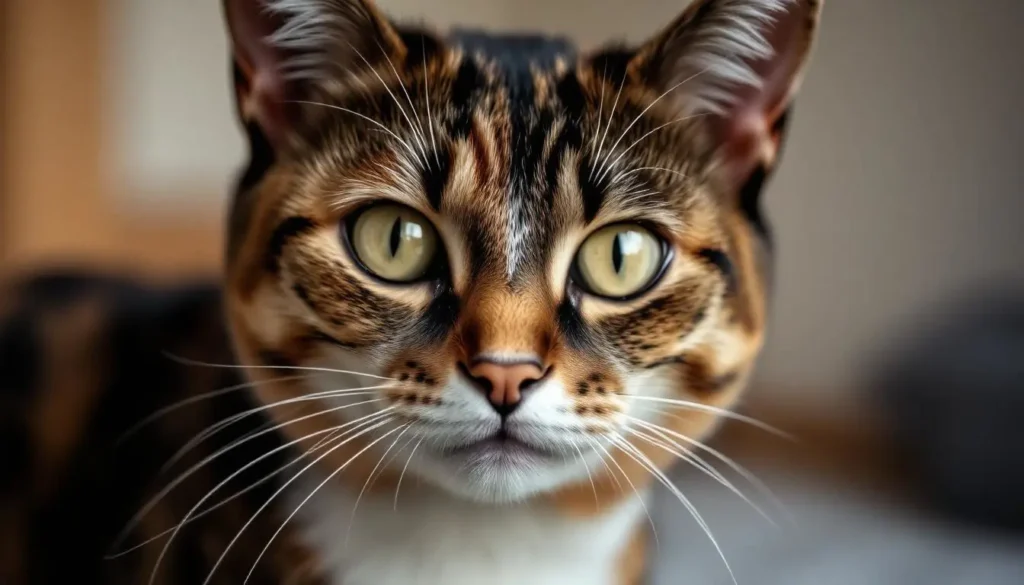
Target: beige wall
(902, 182)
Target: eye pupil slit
(396, 236)
(617, 253)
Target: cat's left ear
(739, 63)
(286, 50)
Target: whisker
(307, 498)
(198, 398)
(426, 95)
(645, 110)
(600, 116)
(227, 500)
(191, 362)
(419, 124)
(608, 457)
(645, 462)
(638, 141)
(409, 148)
(265, 504)
(600, 147)
(583, 460)
(227, 422)
(355, 506)
(404, 468)
(699, 463)
(742, 471)
(625, 174)
(186, 474)
(687, 405)
(393, 98)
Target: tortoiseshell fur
(515, 149)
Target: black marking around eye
(435, 177)
(440, 316)
(721, 262)
(591, 193)
(573, 329)
(288, 229)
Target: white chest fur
(434, 539)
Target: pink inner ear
(746, 128)
(263, 97)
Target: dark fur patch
(720, 260)
(611, 63)
(435, 177)
(591, 193)
(286, 230)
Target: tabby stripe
(720, 261)
(288, 229)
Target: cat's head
(533, 261)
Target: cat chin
(499, 479)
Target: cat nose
(504, 382)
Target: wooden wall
(56, 203)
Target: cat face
(512, 269)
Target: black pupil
(396, 236)
(617, 253)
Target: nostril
(482, 382)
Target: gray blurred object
(954, 397)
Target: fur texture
(509, 155)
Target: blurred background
(896, 351)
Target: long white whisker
(625, 174)
(600, 147)
(645, 110)
(426, 95)
(608, 457)
(590, 476)
(188, 473)
(259, 510)
(687, 405)
(736, 467)
(191, 362)
(393, 98)
(671, 447)
(419, 124)
(638, 141)
(227, 500)
(311, 494)
(644, 461)
(223, 424)
(209, 494)
(198, 398)
(411, 150)
(600, 117)
(355, 506)
(404, 468)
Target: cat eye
(619, 261)
(394, 242)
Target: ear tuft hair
(721, 43)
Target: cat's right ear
(284, 50)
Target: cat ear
(284, 49)
(739, 63)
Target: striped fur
(515, 149)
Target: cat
(480, 293)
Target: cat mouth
(500, 444)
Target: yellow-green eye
(619, 260)
(394, 242)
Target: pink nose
(504, 383)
